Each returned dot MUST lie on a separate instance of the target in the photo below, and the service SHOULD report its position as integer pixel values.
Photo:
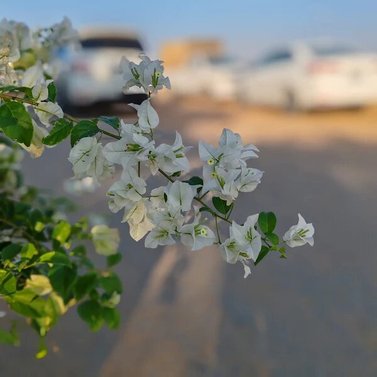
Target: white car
(311, 76)
(214, 76)
(90, 73)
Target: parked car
(90, 73)
(214, 76)
(310, 76)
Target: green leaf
(85, 284)
(205, 209)
(264, 251)
(55, 258)
(10, 251)
(267, 222)
(61, 231)
(91, 312)
(51, 92)
(16, 122)
(111, 317)
(28, 251)
(82, 129)
(8, 283)
(111, 121)
(61, 129)
(62, 279)
(273, 238)
(114, 259)
(195, 181)
(220, 205)
(10, 337)
(111, 283)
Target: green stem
(217, 230)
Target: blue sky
(247, 27)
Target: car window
(111, 43)
(332, 50)
(276, 57)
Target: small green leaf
(10, 337)
(83, 129)
(264, 251)
(221, 205)
(42, 351)
(7, 283)
(55, 258)
(111, 317)
(16, 122)
(195, 181)
(28, 251)
(62, 279)
(205, 209)
(267, 222)
(111, 121)
(61, 129)
(111, 283)
(10, 251)
(51, 92)
(114, 259)
(273, 238)
(91, 312)
(85, 284)
(61, 231)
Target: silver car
(89, 74)
(312, 75)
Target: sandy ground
(274, 126)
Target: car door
(272, 77)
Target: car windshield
(111, 42)
(332, 50)
(221, 60)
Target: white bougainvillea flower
(9, 43)
(196, 236)
(125, 192)
(148, 74)
(40, 90)
(147, 115)
(39, 284)
(231, 143)
(130, 73)
(249, 179)
(152, 75)
(180, 196)
(222, 182)
(172, 158)
(106, 240)
(230, 154)
(300, 234)
(138, 220)
(88, 160)
(129, 150)
(32, 75)
(233, 252)
(247, 238)
(159, 236)
(48, 111)
(62, 33)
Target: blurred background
(299, 80)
